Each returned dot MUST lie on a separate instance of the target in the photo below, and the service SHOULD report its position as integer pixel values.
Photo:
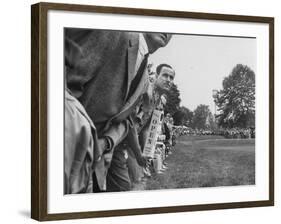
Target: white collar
(143, 48)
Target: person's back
(99, 73)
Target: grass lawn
(206, 161)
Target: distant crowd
(225, 132)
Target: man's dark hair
(159, 67)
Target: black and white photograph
(150, 111)
(141, 111)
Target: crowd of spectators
(225, 132)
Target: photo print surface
(153, 111)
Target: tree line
(235, 104)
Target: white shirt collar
(143, 48)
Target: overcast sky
(201, 63)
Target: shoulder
(133, 38)
(93, 39)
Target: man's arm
(134, 145)
(117, 132)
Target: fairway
(229, 148)
(207, 161)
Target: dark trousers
(118, 175)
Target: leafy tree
(236, 101)
(183, 116)
(173, 100)
(201, 117)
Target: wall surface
(15, 112)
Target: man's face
(156, 40)
(165, 79)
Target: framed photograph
(138, 111)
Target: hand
(103, 145)
(105, 150)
